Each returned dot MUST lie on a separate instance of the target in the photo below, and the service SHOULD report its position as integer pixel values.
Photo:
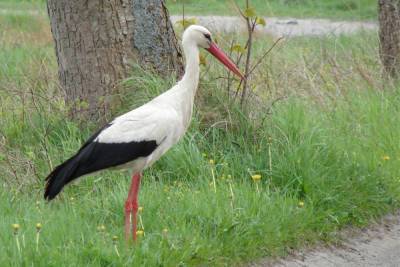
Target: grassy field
(322, 136)
(336, 9)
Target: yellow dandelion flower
(139, 232)
(211, 161)
(15, 227)
(301, 204)
(101, 228)
(140, 209)
(115, 238)
(386, 157)
(256, 177)
(38, 226)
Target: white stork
(140, 137)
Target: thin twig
(238, 8)
(237, 89)
(229, 73)
(46, 150)
(264, 55)
(247, 65)
(8, 162)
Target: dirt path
(288, 27)
(277, 27)
(378, 245)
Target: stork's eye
(208, 37)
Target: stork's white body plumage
(140, 137)
(164, 119)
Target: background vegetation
(337, 9)
(317, 151)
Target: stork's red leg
(131, 206)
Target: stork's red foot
(131, 207)
(130, 219)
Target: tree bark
(154, 37)
(96, 42)
(389, 35)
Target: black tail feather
(60, 176)
(92, 157)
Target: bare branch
(264, 55)
(250, 30)
(238, 8)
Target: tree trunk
(389, 35)
(154, 37)
(97, 40)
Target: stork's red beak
(224, 59)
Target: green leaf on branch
(260, 21)
(238, 48)
(250, 12)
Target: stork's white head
(197, 35)
(201, 37)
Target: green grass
(337, 9)
(332, 137)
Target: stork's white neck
(186, 88)
(190, 79)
